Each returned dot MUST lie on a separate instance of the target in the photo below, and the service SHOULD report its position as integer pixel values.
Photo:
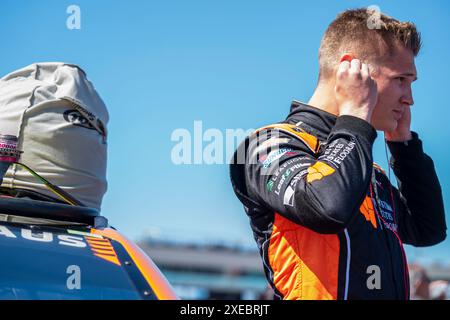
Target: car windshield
(58, 263)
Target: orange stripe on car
(106, 253)
(149, 270)
(98, 246)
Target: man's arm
(421, 216)
(323, 191)
(319, 191)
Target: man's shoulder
(284, 132)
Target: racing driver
(327, 221)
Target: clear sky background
(161, 65)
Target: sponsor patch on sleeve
(275, 155)
(318, 171)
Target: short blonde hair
(351, 32)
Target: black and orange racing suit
(327, 221)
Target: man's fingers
(365, 70)
(344, 66)
(355, 65)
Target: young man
(327, 221)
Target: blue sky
(161, 65)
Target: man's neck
(323, 98)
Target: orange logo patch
(368, 211)
(318, 171)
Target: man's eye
(401, 79)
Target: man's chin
(386, 127)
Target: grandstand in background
(209, 271)
(220, 272)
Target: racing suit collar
(319, 121)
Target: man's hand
(403, 130)
(356, 92)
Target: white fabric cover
(60, 121)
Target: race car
(57, 251)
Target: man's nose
(407, 97)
